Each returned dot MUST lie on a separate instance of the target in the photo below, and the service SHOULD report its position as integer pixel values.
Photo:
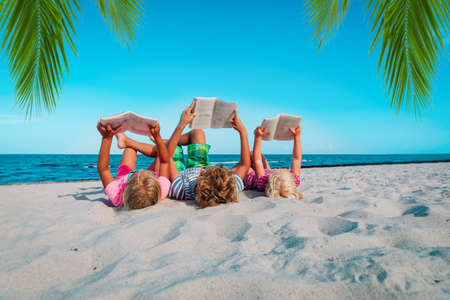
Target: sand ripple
(362, 232)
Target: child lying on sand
(136, 189)
(207, 185)
(275, 182)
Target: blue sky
(257, 53)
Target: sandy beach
(377, 232)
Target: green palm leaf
(35, 33)
(411, 33)
(411, 37)
(122, 16)
(325, 15)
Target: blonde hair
(142, 190)
(215, 185)
(281, 183)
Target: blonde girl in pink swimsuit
(133, 188)
(275, 182)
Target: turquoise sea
(21, 168)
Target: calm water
(50, 167)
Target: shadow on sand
(88, 194)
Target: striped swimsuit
(182, 187)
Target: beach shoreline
(374, 231)
(304, 167)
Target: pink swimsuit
(253, 183)
(115, 189)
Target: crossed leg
(195, 136)
(124, 142)
(129, 157)
(264, 161)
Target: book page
(271, 125)
(204, 108)
(139, 124)
(284, 123)
(223, 112)
(116, 121)
(129, 121)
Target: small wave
(72, 165)
(48, 165)
(89, 167)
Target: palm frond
(123, 17)
(35, 35)
(325, 16)
(411, 36)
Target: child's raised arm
(163, 154)
(296, 162)
(103, 157)
(186, 117)
(242, 167)
(257, 156)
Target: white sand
(360, 232)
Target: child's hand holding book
(260, 132)
(154, 130)
(237, 123)
(188, 114)
(107, 131)
(296, 131)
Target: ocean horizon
(28, 168)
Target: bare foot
(121, 140)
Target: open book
(278, 127)
(130, 121)
(212, 113)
